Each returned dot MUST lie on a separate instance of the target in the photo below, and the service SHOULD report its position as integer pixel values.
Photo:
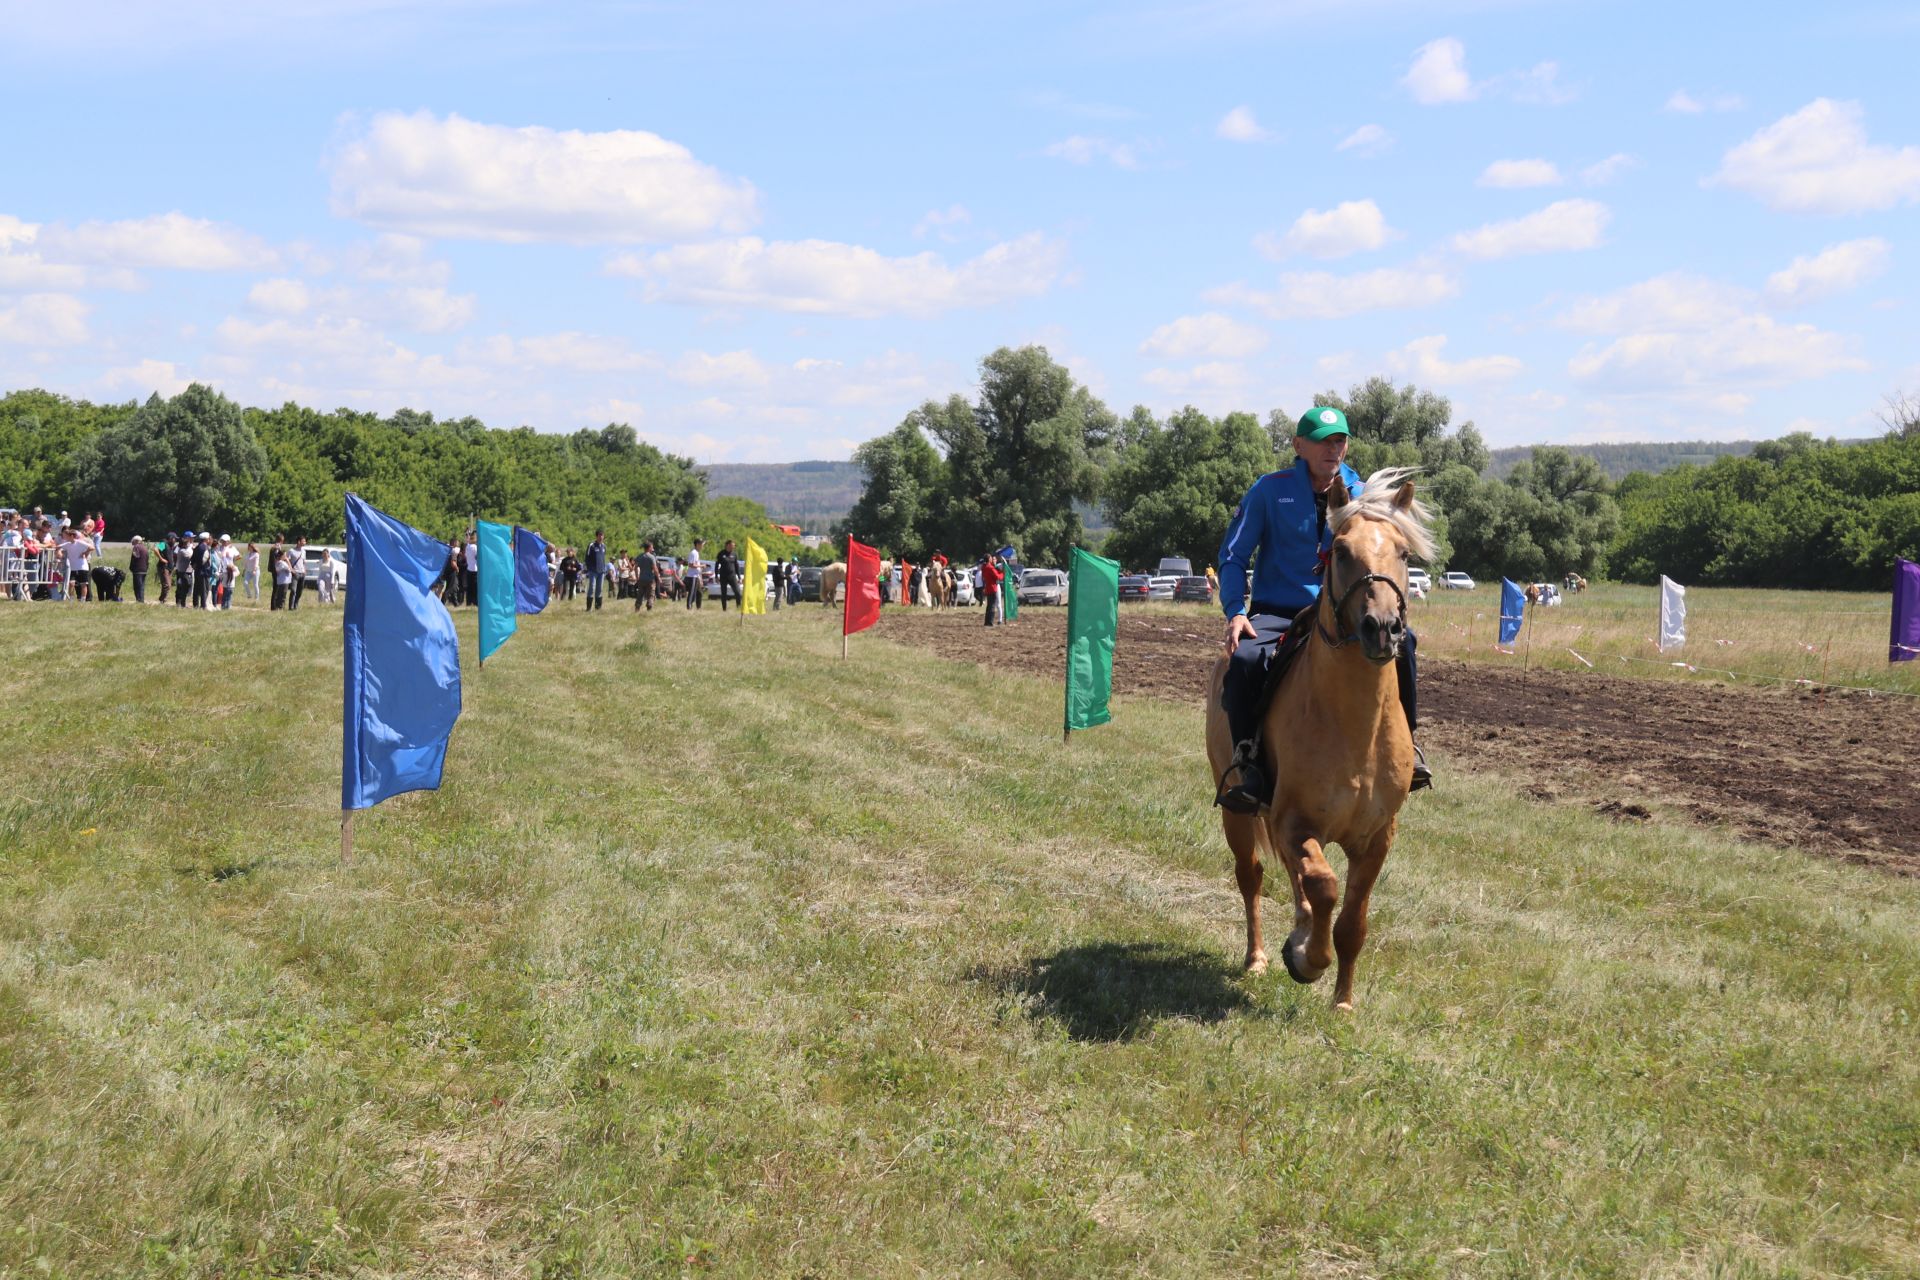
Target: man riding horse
(1283, 518)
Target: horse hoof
(1257, 963)
(1294, 967)
(1343, 1006)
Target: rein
(1346, 637)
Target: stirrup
(1250, 793)
(1422, 776)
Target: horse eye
(1403, 554)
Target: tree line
(1023, 462)
(199, 460)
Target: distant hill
(810, 494)
(1618, 459)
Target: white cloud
(1520, 173)
(148, 377)
(1439, 73)
(395, 259)
(1834, 269)
(1686, 104)
(1348, 228)
(1677, 300)
(1752, 350)
(1211, 381)
(429, 309)
(570, 350)
(44, 320)
(1818, 160)
(281, 296)
(1539, 86)
(1424, 360)
(1238, 125)
(460, 178)
(1081, 149)
(1320, 295)
(729, 368)
(1209, 334)
(1367, 140)
(938, 221)
(828, 278)
(1602, 172)
(1562, 226)
(168, 241)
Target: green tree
(904, 479)
(1173, 488)
(188, 461)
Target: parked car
(1133, 586)
(1194, 586)
(963, 588)
(807, 582)
(1160, 586)
(1418, 580)
(312, 569)
(1042, 586)
(1454, 580)
(1178, 566)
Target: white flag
(1673, 614)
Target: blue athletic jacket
(1278, 518)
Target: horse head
(1375, 532)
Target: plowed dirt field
(1832, 774)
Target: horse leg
(1243, 837)
(1316, 891)
(1350, 934)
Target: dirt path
(1833, 775)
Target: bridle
(1346, 637)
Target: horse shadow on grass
(1111, 991)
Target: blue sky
(767, 232)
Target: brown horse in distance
(1334, 738)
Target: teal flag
(1093, 616)
(497, 613)
(1009, 593)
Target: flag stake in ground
(1093, 619)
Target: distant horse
(1334, 739)
(832, 578)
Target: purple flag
(1905, 645)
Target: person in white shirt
(470, 578)
(324, 576)
(78, 551)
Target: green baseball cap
(1318, 424)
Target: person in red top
(990, 576)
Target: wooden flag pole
(1528, 660)
(346, 837)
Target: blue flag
(1513, 610)
(403, 661)
(530, 582)
(497, 618)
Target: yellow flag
(753, 598)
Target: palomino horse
(831, 579)
(1334, 739)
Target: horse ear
(1337, 496)
(1403, 497)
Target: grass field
(716, 955)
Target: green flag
(1009, 596)
(497, 620)
(1093, 616)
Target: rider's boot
(1249, 789)
(1422, 776)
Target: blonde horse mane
(1375, 501)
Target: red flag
(863, 588)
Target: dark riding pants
(1246, 675)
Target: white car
(1042, 586)
(1418, 582)
(963, 588)
(1160, 586)
(1456, 581)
